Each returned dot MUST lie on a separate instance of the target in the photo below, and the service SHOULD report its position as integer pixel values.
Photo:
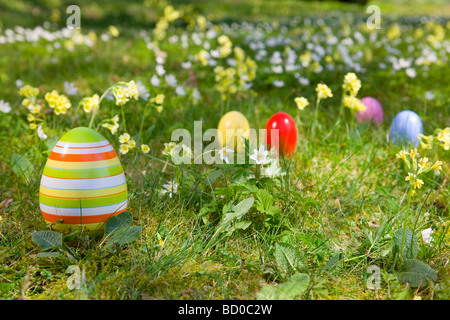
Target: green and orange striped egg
(83, 183)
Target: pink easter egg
(374, 111)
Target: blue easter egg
(405, 127)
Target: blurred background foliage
(144, 13)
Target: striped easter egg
(83, 183)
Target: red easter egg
(287, 134)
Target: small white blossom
(426, 235)
(155, 81)
(41, 134)
(4, 106)
(170, 187)
(171, 80)
(260, 156)
(223, 154)
(70, 88)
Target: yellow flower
(401, 155)
(131, 144)
(423, 163)
(168, 147)
(413, 153)
(323, 91)
(123, 149)
(91, 103)
(418, 184)
(301, 102)
(437, 165)
(113, 31)
(159, 109)
(33, 126)
(124, 138)
(145, 148)
(29, 92)
(410, 176)
(351, 84)
(159, 99)
(133, 91)
(31, 117)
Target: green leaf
(296, 285)
(123, 236)
(122, 220)
(238, 225)
(21, 166)
(417, 273)
(236, 212)
(50, 143)
(331, 263)
(47, 239)
(289, 258)
(48, 254)
(410, 245)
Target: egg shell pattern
(83, 183)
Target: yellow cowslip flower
(351, 84)
(301, 102)
(124, 138)
(31, 117)
(437, 165)
(131, 144)
(120, 94)
(410, 176)
(424, 163)
(159, 109)
(29, 92)
(353, 103)
(133, 91)
(223, 39)
(418, 184)
(323, 91)
(33, 126)
(90, 103)
(239, 54)
(123, 149)
(426, 142)
(168, 147)
(59, 102)
(145, 148)
(401, 155)
(159, 99)
(34, 108)
(413, 153)
(113, 31)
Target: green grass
(344, 193)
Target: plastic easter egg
(287, 134)
(373, 112)
(233, 126)
(83, 183)
(405, 127)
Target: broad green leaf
(122, 220)
(123, 236)
(289, 258)
(236, 212)
(47, 239)
(238, 225)
(21, 166)
(410, 245)
(331, 263)
(417, 273)
(48, 254)
(296, 285)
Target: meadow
(350, 215)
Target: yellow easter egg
(233, 127)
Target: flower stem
(98, 107)
(405, 221)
